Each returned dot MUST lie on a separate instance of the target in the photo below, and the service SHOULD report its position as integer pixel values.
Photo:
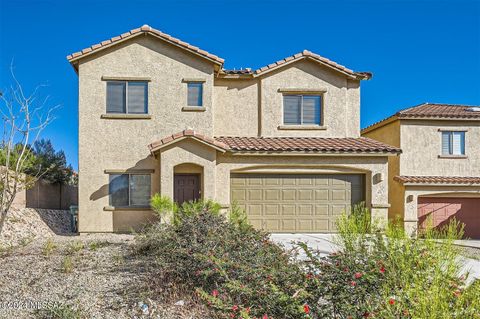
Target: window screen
(116, 97)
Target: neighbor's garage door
(443, 209)
(296, 203)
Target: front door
(186, 187)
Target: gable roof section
(305, 54)
(145, 29)
(431, 111)
(177, 137)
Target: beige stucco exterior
(232, 107)
(420, 141)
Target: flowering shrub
(392, 276)
(236, 270)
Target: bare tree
(24, 116)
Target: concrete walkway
(325, 243)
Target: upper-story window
(194, 94)
(128, 97)
(302, 109)
(129, 190)
(453, 143)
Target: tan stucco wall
(232, 107)
(421, 144)
(340, 102)
(390, 134)
(122, 144)
(255, 107)
(236, 107)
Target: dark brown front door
(186, 187)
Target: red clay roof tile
(309, 144)
(438, 179)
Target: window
(195, 94)
(129, 190)
(453, 143)
(129, 97)
(302, 109)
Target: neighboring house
(437, 177)
(160, 115)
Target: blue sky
(418, 51)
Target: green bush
(390, 275)
(236, 270)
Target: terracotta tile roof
(309, 144)
(441, 111)
(433, 111)
(438, 179)
(157, 145)
(310, 55)
(144, 29)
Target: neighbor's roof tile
(438, 179)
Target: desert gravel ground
(93, 276)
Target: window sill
(132, 208)
(302, 127)
(453, 156)
(193, 109)
(126, 116)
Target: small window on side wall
(302, 109)
(129, 190)
(195, 94)
(453, 143)
(127, 97)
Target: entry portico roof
(348, 145)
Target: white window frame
(450, 143)
(201, 83)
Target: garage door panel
(272, 194)
(254, 194)
(294, 203)
(321, 210)
(305, 194)
(305, 209)
(321, 194)
(271, 210)
(439, 211)
(254, 210)
(288, 210)
(289, 194)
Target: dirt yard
(89, 276)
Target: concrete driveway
(325, 243)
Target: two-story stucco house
(438, 173)
(157, 114)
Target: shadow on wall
(146, 163)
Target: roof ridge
(143, 29)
